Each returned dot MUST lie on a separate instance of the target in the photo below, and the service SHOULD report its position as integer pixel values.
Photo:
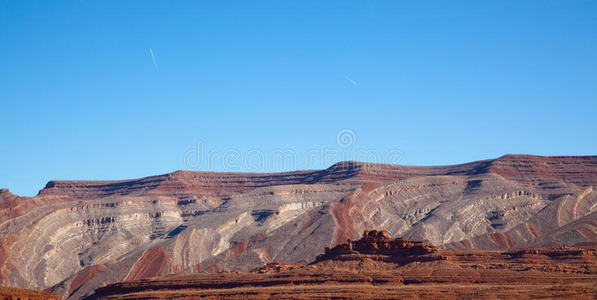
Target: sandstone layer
(379, 267)
(76, 236)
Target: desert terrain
(379, 267)
(77, 236)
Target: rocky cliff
(75, 236)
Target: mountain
(76, 236)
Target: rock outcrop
(75, 236)
(379, 245)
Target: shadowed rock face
(78, 235)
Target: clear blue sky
(442, 81)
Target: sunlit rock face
(78, 235)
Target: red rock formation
(150, 264)
(84, 276)
(77, 235)
(380, 243)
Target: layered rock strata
(76, 236)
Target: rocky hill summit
(379, 244)
(528, 168)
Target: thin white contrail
(155, 63)
(351, 81)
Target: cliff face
(78, 235)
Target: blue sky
(441, 82)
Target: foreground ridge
(370, 268)
(25, 294)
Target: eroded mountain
(75, 236)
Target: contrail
(155, 63)
(351, 81)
